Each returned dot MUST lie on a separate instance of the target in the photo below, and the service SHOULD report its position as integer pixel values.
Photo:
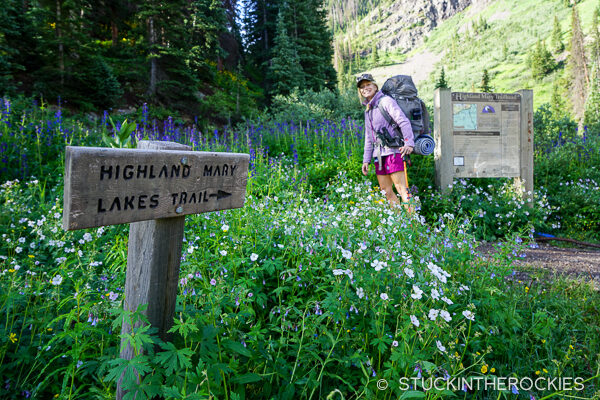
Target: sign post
(484, 135)
(152, 187)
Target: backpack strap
(425, 118)
(388, 118)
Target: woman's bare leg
(387, 185)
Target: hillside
(496, 35)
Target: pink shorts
(390, 164)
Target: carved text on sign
(116, 186)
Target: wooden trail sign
(106, 186)
(158, 184)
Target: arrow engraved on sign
(220, 195)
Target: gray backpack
(402, 89)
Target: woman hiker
(389, 164)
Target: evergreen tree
(259, 19)
(485, 82)
(592, 105)
(285, 72)
(313, 40)
(595, 36)
(11, 34)
(374, 56)
(540, 61)
(557, 102)
(441, 82)
(577, 68)
(556, 41)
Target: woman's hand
(365, 168)
(405, 150)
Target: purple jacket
(374, 121)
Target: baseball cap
(364, 77)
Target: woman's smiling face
(367, 89)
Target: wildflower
(250, 294)
(253, 257)
(435, 294)
(418, 371)
(57, 280)
(113, 296)
(469, 315)
(433, 314)
(418, 293)
(378, 265)
(484, 368)
(384, 296)
(223, 252)
(213, 281)
(346, 254)
(18, 250)
(13, 337)
(414, 320)
(395, 343)
(447, 301)
(409, 272)
(445, 315)
(360, 293)
(225, 228)
(492, 370)
(514, 389)
(87, 237)
(440, 346)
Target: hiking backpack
(402, 89)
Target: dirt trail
(576, 263)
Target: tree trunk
(115, 32)
(153, 59)
(61, 48)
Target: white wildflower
(414, 321)
(360, 293)
(440, 346)
(469, 315)
(445, 315)
(418, 293)
(433, 314)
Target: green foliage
(592, 105)
(556, 38)
(122, 136)
(285, 71)
(441, 82)
(484, 86)
(540, 61)
(310, 105)
(310, 287)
